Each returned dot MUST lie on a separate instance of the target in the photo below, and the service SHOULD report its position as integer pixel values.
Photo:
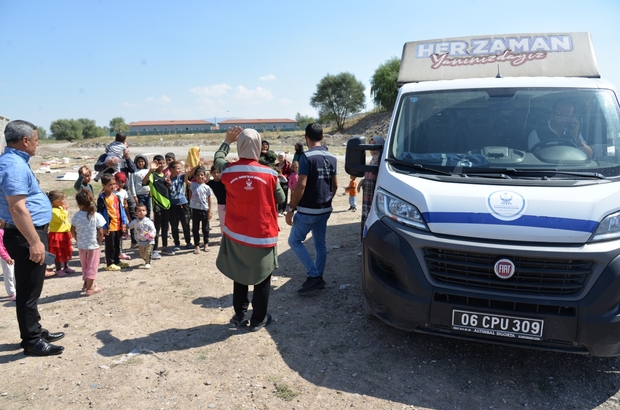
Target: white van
(496, 214)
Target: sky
(212, 60)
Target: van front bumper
(399, 290)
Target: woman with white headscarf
(248, 252)
(369, 182)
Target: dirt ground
(160, 339)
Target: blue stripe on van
(547, 222)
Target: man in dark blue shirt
(312, 199)
(27, 213)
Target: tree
(90, 129)
(118, 125)
(66, 130)
(303, 120)
(384, 84)
(337, 96)
(41, 133)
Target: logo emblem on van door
(504, 268)
(506, 205)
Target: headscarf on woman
(249, 144)
(193, 157)
(374, 160)
(299, 149)
(267, 157)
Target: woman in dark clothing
(267, 157)
(369, 182)
(299, 149)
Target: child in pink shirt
(8, 267)
(294, 177)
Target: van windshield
(509, 128)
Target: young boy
(109, 205)
(200, 202)
(169, 157)
(83, 181)
(179, 211)
(145, 234)
(159, 185)
(128, 204)
(219, 190)
(352, 191)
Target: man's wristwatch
(289, 209)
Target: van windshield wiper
(419, 167)
(542, 173)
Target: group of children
(158, 187)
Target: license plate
(497, 325)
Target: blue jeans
(302, 225)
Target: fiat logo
(504, 268)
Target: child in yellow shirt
(59, 235)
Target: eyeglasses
(559, 114)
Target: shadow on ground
(329, 340)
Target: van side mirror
(355, 157)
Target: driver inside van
(561, 126)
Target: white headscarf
(375, 154)
(249, 144)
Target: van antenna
(499, 75)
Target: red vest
(251, 213)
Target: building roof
(257, 121)
(169, 123)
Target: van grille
(536, 276)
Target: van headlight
(608, 229)
(398, 210)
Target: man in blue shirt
(312, 199)
(27, 212)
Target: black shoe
(239, 321)
(258, 326)
(42, 348)
(312, 284)
(51, 337)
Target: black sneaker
(312, 284)
(239, 321)
(266, 321)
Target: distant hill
(371, 125)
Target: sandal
(96, 289)
(197, 251)
(207, 249)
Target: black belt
(37, 228)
